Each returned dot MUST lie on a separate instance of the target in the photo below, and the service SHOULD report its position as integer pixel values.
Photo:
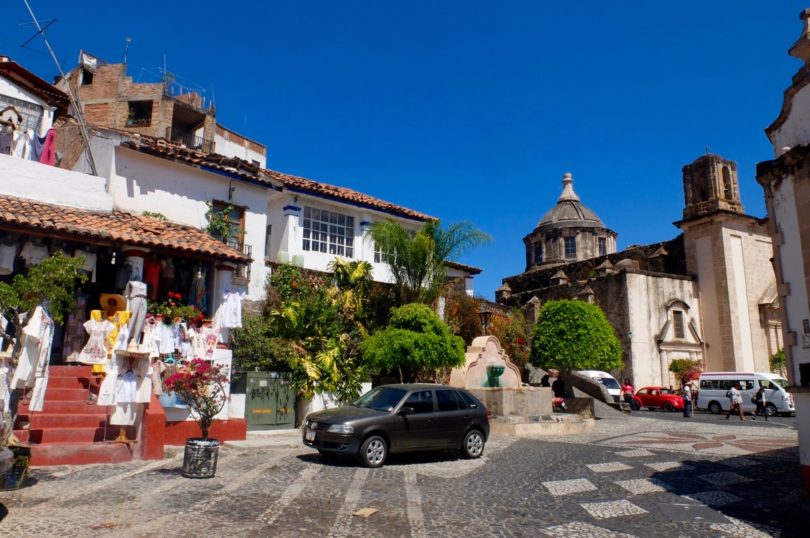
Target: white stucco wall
(648, 299)
(796, 128)
(140, 182)
(232, 149)
(11, 89)
(793, 270)
(37, 181)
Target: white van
(714, 385)
(613, 387)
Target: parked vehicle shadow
(408, 458)
(763, 490)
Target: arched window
(538, 252)
(728, 189)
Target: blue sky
(467, 110)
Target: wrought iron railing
(190, 140)
(242, 270)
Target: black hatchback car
(400, 418)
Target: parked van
(613, 387)
(714, 386)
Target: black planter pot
(200, 458)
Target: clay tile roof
(20, 75)
(246, 170)
(463, 267)
(340, 193)
(116, 226)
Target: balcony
(189, 140)
(241, 275)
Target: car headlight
(340, 428)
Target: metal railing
(242, 270)
(190, 140)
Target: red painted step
(70, 371)
(56, 420)
(66, 383)
(58, 393)
(65, 435)
(74, 407)
(81, 453)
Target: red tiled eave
(113, 227)
(342, 193)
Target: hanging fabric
(96, 349)
(35, 353)
(33, 253)
(48, 151)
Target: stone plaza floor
(629, 476)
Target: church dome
(569, 212)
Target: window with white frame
(381, 256)
(328, 232)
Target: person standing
(628, 391)
(687, 400)
(735, 402)
(760, 400)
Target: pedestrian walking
(628, 391)
(735, 401)
(687, 400)
(760, 400)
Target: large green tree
(418, 259)
(416, 341)
(574, 335)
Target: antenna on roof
(127, 41)
(73, 102)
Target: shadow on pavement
(411, 458)
(763, 490)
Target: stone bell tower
(727, 254)
(710, 184)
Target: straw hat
(112, 302)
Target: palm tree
(418, 259)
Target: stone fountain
(514, 409)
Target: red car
(657, 397)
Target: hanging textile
(35, 352)
(229, 313)
(21, 145)
(151, 275)
(90, 260)
(96, 350)
(135, 294)
(5, 394)
(48, 151)
(8, 251)
(150, 336)
(33, 253)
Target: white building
(786, 181)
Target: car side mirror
(406, 410)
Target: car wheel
(668, 407)
(473, 445)
(770, 410)
(373, 451)
(715, 408)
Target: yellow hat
(112, 302)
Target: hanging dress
(95, 351)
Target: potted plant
(199, 385)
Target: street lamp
(486, 317)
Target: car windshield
(781, 381)
(609, 382)
(381, 398)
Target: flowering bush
(199, 385)
(686, 370)
(173, 308)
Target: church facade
(709, 294)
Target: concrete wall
(796, 128)
(233, 144)
(30, 179)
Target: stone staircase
(69, 431)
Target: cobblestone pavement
(629, 476)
